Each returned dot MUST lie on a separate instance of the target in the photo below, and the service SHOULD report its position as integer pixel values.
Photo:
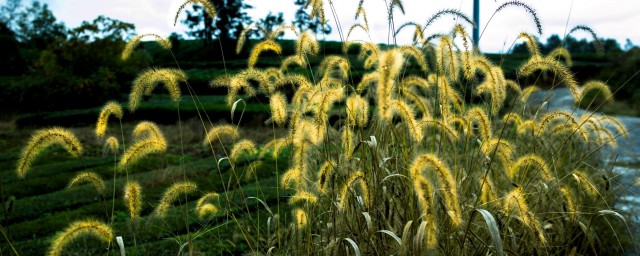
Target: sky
(608, 20)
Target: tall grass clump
(430, 149)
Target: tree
(303, 20)
(227, 25)
(37, 27)
(11, 62)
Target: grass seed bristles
(563, 53)
(597, 44)
(278, 104)
(514, 86)
(317, 10)
(324, 101)
(146, 82)
(204, 208)
(416, 100)
(515, 202)
(452, 12)
(396, 3)
(528, 160)
(267, 45)
(416, 54)
(112, 144)
(446, 58)
(133, 200)
(300, 216)
(171, 194)
(466, 56)
(357, 25)
(530, 10)
(240, 147)
(418, 35)
(79, 229)
(88, 177)
(620, 128)
(570, 201)
(571, 128)
(279, 30)
(291, 60)
(451, 133)
(359, 177)
(502, 148)
(221, 133)
(526, 126)
(512, 117)
(600, 89)
(526, 92)
(488, 192)
(347, 141)
(142, 148)
(389, 68)
(408, 116)
(243, 36)
(585, 183)
(446, 180)
(147, 130)
(306, 45)
(131, 45)
(361, 11)
(366, 80)
(323, 175)
(43, 139)
(418, 82)
(208, 6)
(545, 64)
(329, 63)
(357, 111)
(111, 108)
(548, 117)
(290, 176)
(531, 43)
(477, 114)
(303, 196)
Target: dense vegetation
(302, 147)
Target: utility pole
(476, 22)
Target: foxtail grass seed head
(88, 177)
(408, 116)
(111, 108)
(357, 111)
(515, 202)
(547, 64)
(133, 200)
(147, 130)
(597, 44)
(324, 174)
(620, 128)
(300, 218)
(599, 89)
(303, 197)
(221, 133)
(563, 53)
(359, 177)
(210, 8)
(112, 144)
(479, 116)
(570, 201)
(204, 207)
(131, 45)
(142, 148)
(43, 139)
(241, 147)
(80, 229)
(527, 8)
(389, 68)
(268, 45)
(446, 180)
(172, 194)
(278, 104)
(290, 176)
(528, 160)
(146, 82)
